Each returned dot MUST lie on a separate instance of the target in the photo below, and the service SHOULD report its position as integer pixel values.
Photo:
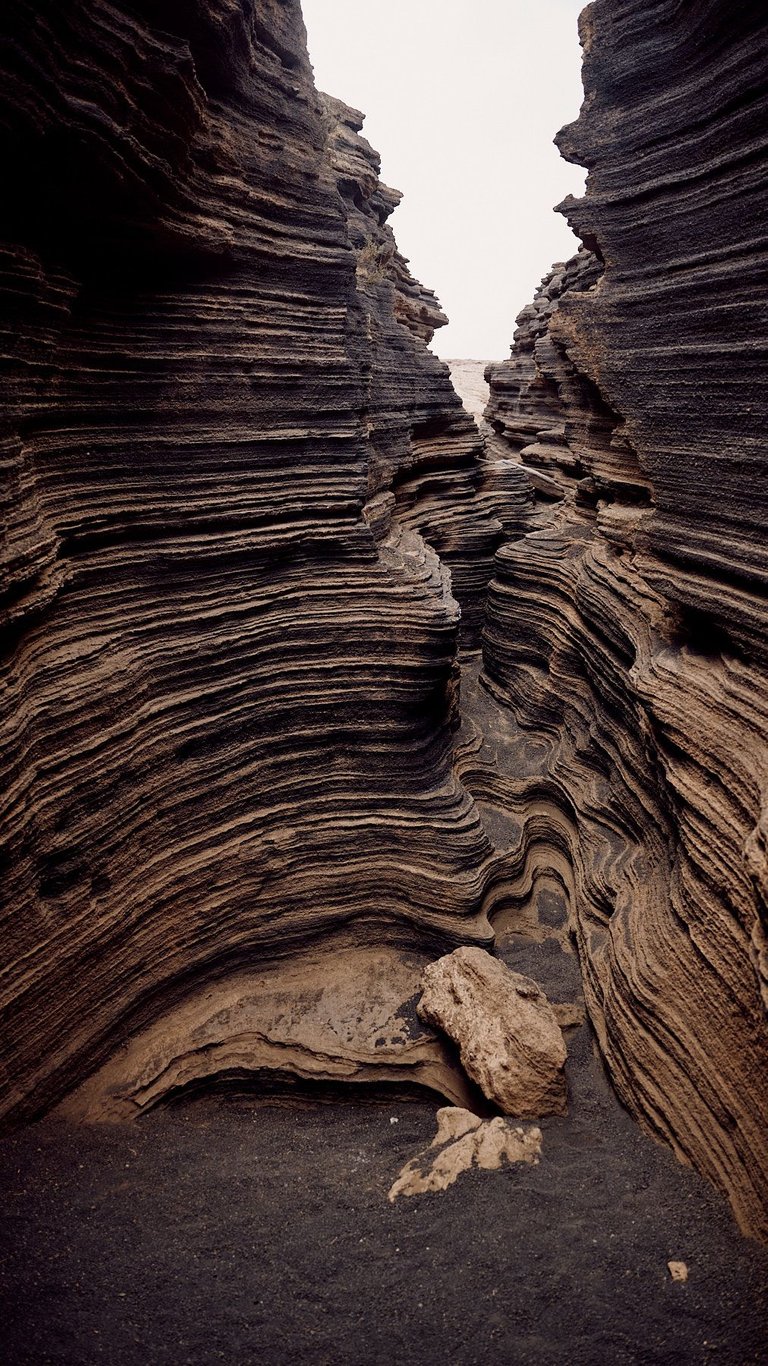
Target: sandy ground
(238, 1230)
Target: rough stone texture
(507, 1033)
(228, 654)
(340, 1015)
(234, 481)
(463, 1141)
(468, 379)
(425, 454)
(627, 619)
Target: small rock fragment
(678, 1271)
(508, 1036)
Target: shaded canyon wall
(242, 504)
(627, 615)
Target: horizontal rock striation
(228, 703)
(425, 454)
(627, 616)
(241, 504)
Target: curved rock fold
(626, 618)
(247, 791)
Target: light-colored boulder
(463, 1140)
(507, 1033)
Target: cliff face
(627, 616)
(228, 700)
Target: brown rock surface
(626, 621)
(242, 504)
(338, 1015)
(507, 1033)
(228, 688)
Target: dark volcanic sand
(238, 1231)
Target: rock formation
(627, 620)
(242, 503)
(228, 687)
(343, 1016)
(505, 1029)
(464, 1141)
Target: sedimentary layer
(626, 624)
(228, 650)
(242, 504)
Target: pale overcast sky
(463, 99)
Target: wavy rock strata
(241, 502)
(506, 1031)
(627, 617)
(342, 1016)
(228, 693)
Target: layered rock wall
(228, 651)
(627, 616)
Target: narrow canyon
(309, 676)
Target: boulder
(507, 1033)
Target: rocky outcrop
(242, 503)
(508, 1037)
(627, 619)
(228, 691)
(425, 455)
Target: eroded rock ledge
(228, 672)
(626, 622)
